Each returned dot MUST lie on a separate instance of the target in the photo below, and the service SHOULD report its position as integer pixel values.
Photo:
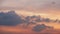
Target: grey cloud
(41, 27)
(10, 19)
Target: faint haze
(45, 5)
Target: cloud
(38, 28)
(41, 27)
(10, 18)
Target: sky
(45, 5)
(45, 8)
(49, 7)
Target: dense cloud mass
(9, 18)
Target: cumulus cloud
(10, 18)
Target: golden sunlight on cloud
(42, 14)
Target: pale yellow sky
(44, 15)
